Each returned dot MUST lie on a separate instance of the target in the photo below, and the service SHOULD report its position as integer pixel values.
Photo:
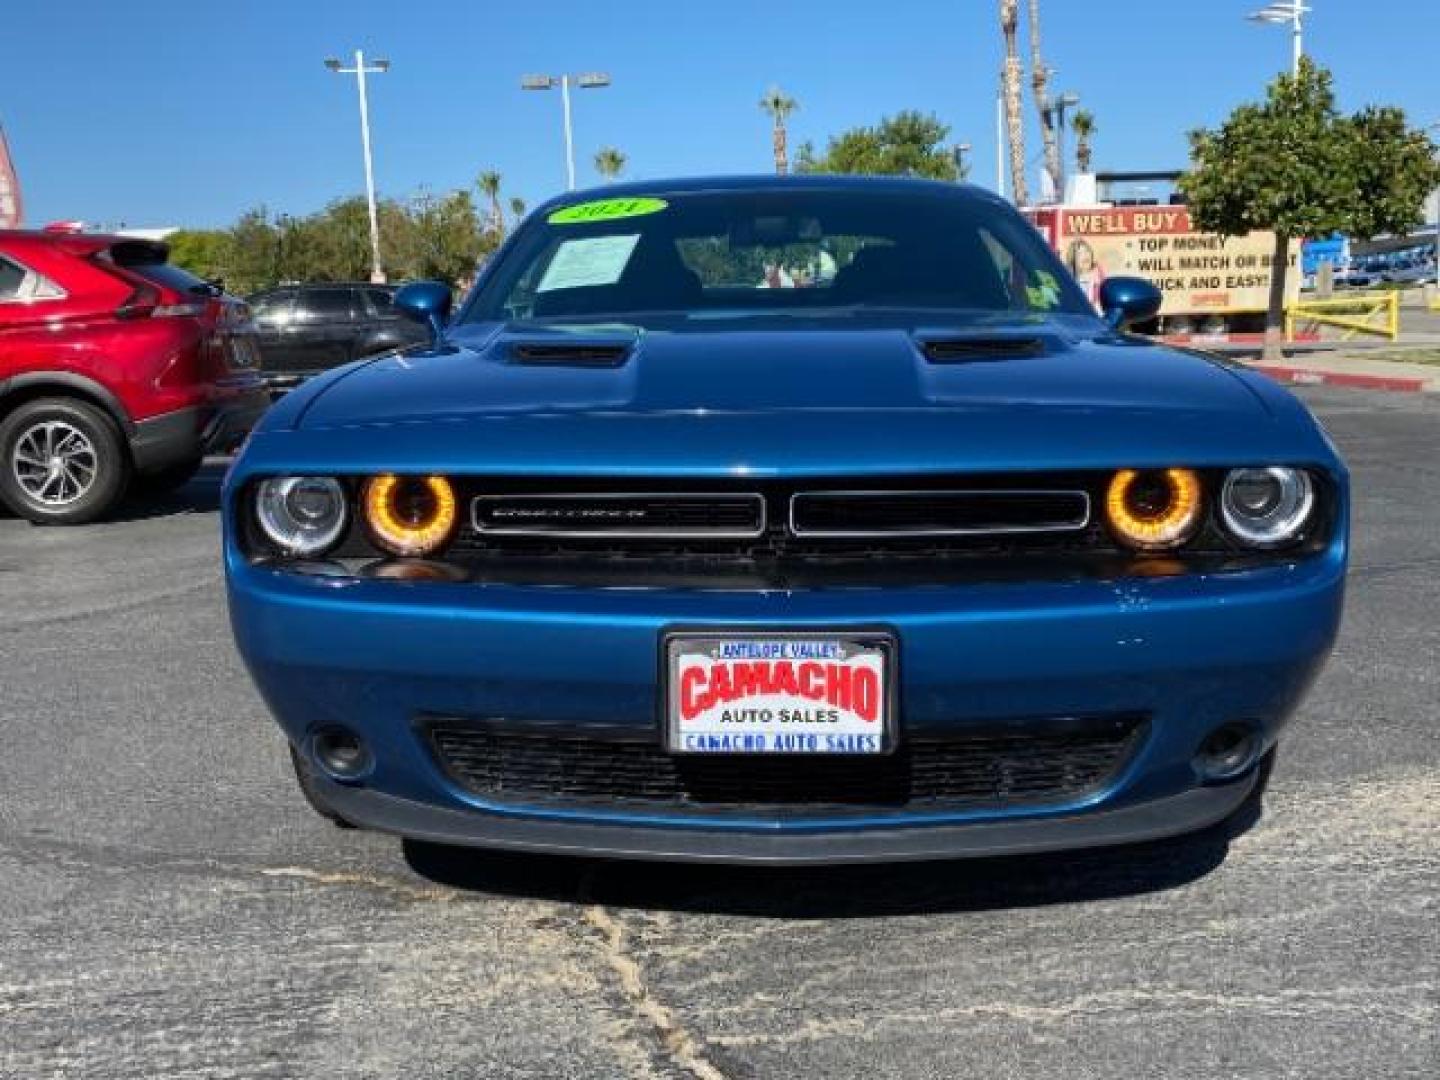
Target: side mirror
(1129, 300)
(426, 302)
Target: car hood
(777, 370)
(808, 398)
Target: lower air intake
(1055, 763)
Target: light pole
(593, 80)
(379, 67)
(962, 167)
(1061, 104)
(1281, 12)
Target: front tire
(62, 462)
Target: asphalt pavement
(170, 908)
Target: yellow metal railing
(1364, 313)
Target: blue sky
(154, 113)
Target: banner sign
(1197, 272)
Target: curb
(1300, 376)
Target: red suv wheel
(63, 462)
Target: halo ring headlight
(409, 516)
(1154, 510)
(1267, 507)
(304, 516)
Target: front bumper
(1186, 812)
(1189, 653)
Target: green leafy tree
(1395, 171)
(906, 144)
(517, 208)
(1294, 165)
(447, 240)
(205, 252)
(440, 239)
(254, 257)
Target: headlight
(1155, 510)
(302, 515)
(1267, 508)
(410, 515)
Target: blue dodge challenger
(779, 520)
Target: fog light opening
(1228, 751)
(340, 754)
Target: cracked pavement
(170, 908)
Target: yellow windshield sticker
(606, 210)
(1044, 295)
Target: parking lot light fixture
(962, 163)
(360, 70)
(590, 80)
(1062, 104)
(1282, 13)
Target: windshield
(798, 250)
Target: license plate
(779, 693)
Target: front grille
(716, 515)
(1052, 762)
(777, 534)
(936, 513)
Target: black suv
(305, 329)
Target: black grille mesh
(1053, 763)
(939, 511)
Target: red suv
(116, 370)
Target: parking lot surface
(170, 907)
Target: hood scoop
(951, 348)
(585, 354)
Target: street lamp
(1061, 104)
(1281, 12)
(962, 167)
(377, 67)
(592, 80)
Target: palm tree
(1084, 124)
(779, 107)
(1040, 85)
(517, 208)
(609, 162)
(1014, 126)
(489, 184)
